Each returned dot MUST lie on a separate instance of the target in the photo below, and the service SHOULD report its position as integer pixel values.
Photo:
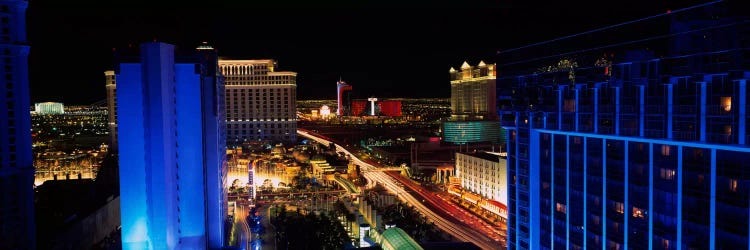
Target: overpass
(347, 185)
(467, 230)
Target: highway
(461, 231)
(244, 234)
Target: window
(666, 174)
(733, 185)
(619, 207)
(726, 103)
(665, 150)
(562, 208)
(638, 213)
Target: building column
(560, 105)
(533, 175)
(703, 111)
(626, 198)
(617, 110)
(552, 192)
(642, 113)
(679, 197)
(670, 107)
(651, 195)
(742, 111)
(604, 190)
(712, 199)
(567, 181)
(596, 115)
(576, 108)
(585, 184)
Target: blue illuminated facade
(462, 132)
(17, 226)
(171, 149)
(647, 153)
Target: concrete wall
(92, 229)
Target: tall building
(261, 102)
(473, 92)
(172, 149)
(17, 229)
(343, 98)
(647, 153)
(49, 108)
(483, 173)
(390, 107)
(111, 86)
(473, 106)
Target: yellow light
(726, 103)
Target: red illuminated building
(390, 107)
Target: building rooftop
(484, 155)
(398, 239)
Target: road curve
(462, 232)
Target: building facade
(473, 92)
(483, 173)
(172, 150)
(390, 107)
(17, 225)
(462, 132)
(261, 102)
(648, 153)
(473, 106)
(49, 108)
(343, 98)
(111, 87)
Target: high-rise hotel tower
(171, 148)
(261, 102)
(111, 86)
(17, 229)
(473, 108)
(644, 152)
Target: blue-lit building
(17, 228)
(171, 149)
(462, 132)
(648, 152)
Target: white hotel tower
(260, 102)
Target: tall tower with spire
(17, 230)
(343, 98)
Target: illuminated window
(667, 174)
(733, 185)
(726, 103)
(562, 208)
(638, 213)
(619, 207)
(665, 243)
(665, 150)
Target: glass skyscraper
(172, 149)
(648, 152)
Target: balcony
(655, 133)
(718, 110)
(606, 130)
(656, 109)
(684, 136)
(720, 138)
(606, 109)
(629, 132)
(686, 109)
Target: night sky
(383, 50)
